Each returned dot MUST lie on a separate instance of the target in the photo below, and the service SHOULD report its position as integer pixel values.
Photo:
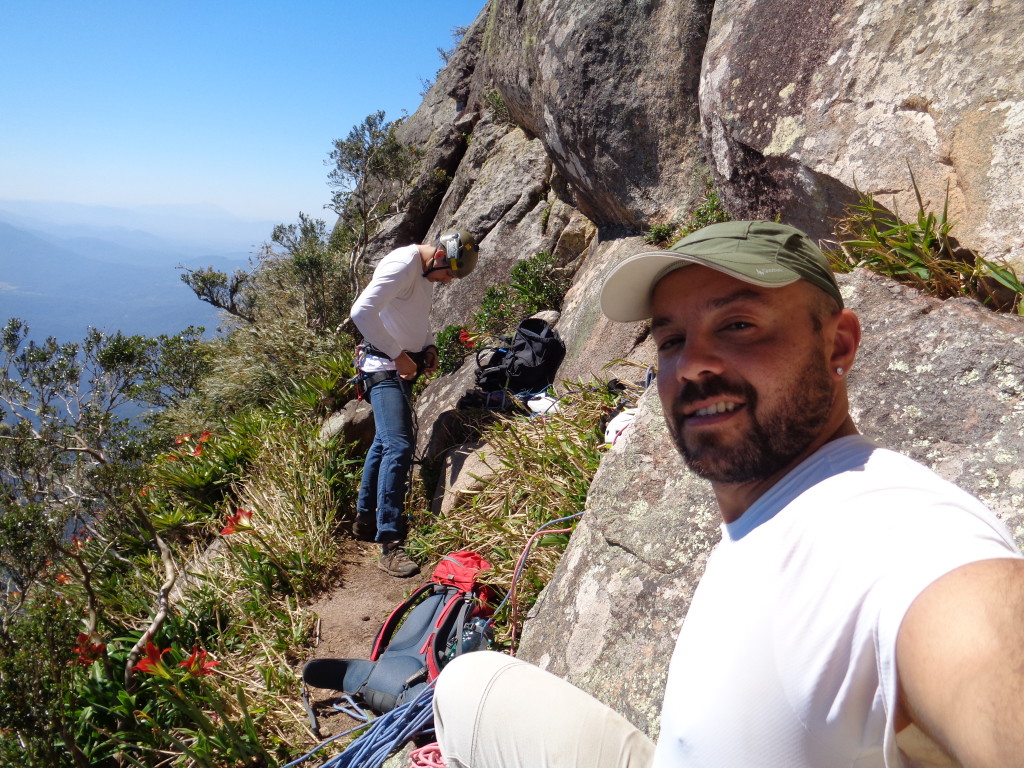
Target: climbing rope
(510, 596)
(428, 756)
(388, 733)
(383, 736)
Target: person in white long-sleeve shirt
(392, 313)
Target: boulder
(354, 423)
(803, 101)
(610, 89)
(463, 473)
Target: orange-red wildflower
(88, 652)
(240, 521)
(154, 661)
(199, 663)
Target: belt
(370, 379)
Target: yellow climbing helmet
(460, 246)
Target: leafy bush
(534, 284)
(498, 313)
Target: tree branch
(162, 603)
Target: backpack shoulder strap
(387, 629)
(447, 631)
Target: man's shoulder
(398, 263)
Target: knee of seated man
(470, 676)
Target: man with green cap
(859, 610)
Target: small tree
(369, 171)
(230, 293)
(308, 264)
(69, 456)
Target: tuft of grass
(922, 253)
(496, 103)
(708, 211)
(660, 234)
(542, 469)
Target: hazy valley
(65, 267)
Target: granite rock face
(802, 102)
(610, 90)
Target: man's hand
(960, 656)
(406, 367)
(429, 359)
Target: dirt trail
(351, 614)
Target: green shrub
(537, 284)
(659, 234)
(499, 311)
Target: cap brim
(626, 295)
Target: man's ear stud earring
(839, 371)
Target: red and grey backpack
(444, 618)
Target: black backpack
(526, 364)
(442, 619)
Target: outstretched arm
(960, 656)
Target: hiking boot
(364, 528)
(396, 563)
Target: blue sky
(230, 103)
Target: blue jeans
(386, 471)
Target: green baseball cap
(759, 252)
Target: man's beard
(777, 436)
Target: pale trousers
(494, 711)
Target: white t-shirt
(393, 311)
(786, 658)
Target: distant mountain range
(65, 267)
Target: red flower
(153, 663)
(197, 663)
(467, 339)
(181, 439)
(204, 437)
(198, 450)
(63, 578)
(88, 652)
(241, 520)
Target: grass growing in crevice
(708, 210)
(542, 469)
(922, 253)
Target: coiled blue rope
(384, 735)
(389, 732)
